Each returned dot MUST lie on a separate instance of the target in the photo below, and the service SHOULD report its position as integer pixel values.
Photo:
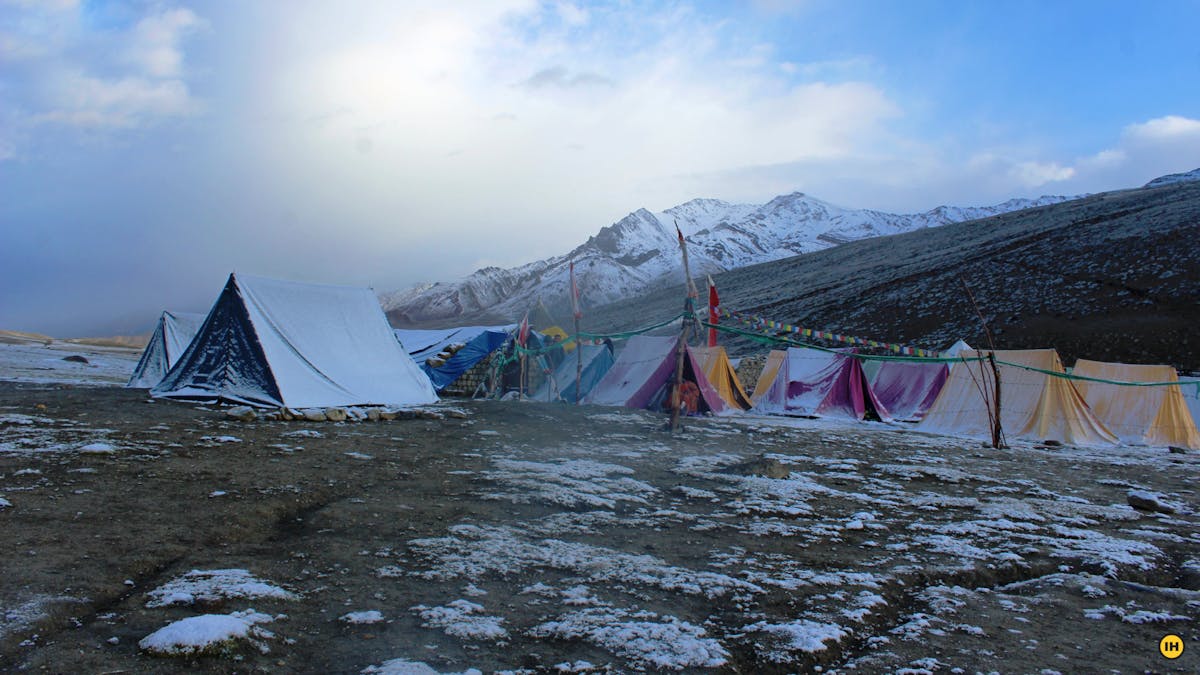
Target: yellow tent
(555, 331)
(770, 370)
(1140, 415)
(1033, 405)
(715, 364)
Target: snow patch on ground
(475, 551)
(642, 637)
(207, 633)
(210, 586)
(567, 483)
(463, 619)
(801, 635)
(365, 617)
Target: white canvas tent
(172, 335)
(1034, 404)
(1154, 415)
(280, 343)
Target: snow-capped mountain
(1172, 178)
(641, 251)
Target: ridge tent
(767, 377)
(172, 335)
(955, 349)
(1033, 405)
(644, 372)
(281, 343)
(470, 345)
(908, 388)
(721, 375)
(1139, 415)
(560, 386)
(816, 382)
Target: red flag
(523, 331)
(575, 294)
(714, 313)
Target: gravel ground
(528, 537)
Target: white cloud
(156, 42)
(539, 124)
(571, 14)
(1038, 174)
(85, 101)
(1169, 129)
(72, 71)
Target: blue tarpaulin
(597, 359)
(478, 342)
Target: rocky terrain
(529, 538)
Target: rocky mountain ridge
(640, 252)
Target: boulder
(1149, 501)
(242, 413)
(373, 414)
(761, 466)
(314, 415)
(335, 414)
(75, 358)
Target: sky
(148, 149)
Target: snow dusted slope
(640, 251)
(1174, 178)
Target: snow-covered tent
(721, 375)
(1140, 415)
(281, 343)
(466, 346)
(816, 382)
(908, 388)
(172, 335)
(560, 386)
(644, 372)
(1034, 404)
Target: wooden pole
(681, 348)
(579, 359)
(994, 409)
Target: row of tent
(279, 343)
(1039, 400)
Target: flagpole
(681, 348)
(578, 343)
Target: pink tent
(644, 372)
(908, 388)
(815, 382)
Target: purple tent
(815, 382)
(643, 374)
(908, 388)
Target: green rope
(760, 337)
(1122, 383)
